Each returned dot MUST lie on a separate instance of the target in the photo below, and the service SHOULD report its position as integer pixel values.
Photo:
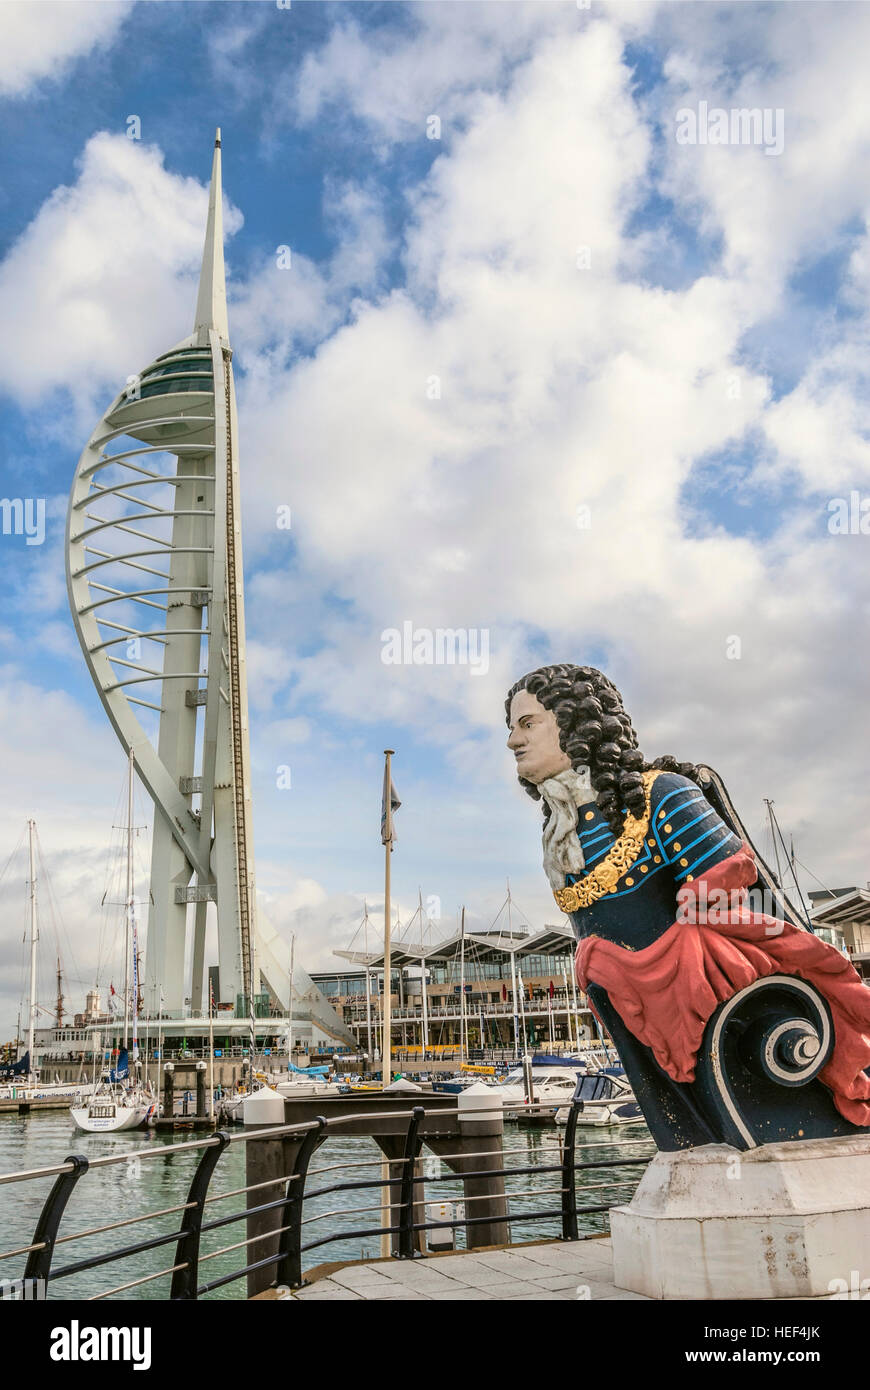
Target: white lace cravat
(562, 850)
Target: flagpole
(462, 1042)
(516, 1019)
(368, 985)
(574, 1005)
(386, 1063)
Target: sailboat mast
(129, 913)
(290, 1004)
(462, 1048)
(779, 877)
(59, 1004)
(31, 826)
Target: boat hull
(110, 1119)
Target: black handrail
(400, 1222)
(289, 1260)
(187, 1253)
(39, 1260)
(413, 1145)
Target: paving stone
(512, 1288)
(462, 1294)
(324, 1292)
(560, 1281)
(599, 1289)
(540, 1297)
(510, 1265)
(425, 1285)
(477, 1275)
(362, 1279)
(398, 1296)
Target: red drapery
(666, 993)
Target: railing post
(569, 1174)
(413, 1145)
(185, 1280)
(289, 1268)
(39, 1261)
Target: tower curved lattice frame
(154, 574)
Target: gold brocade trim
(618, 861)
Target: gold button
(689, 878)
(629, 882)
(677, 847)
(644, 868)
(590, 815)
(684, 862)
(613, 890)
(657, 859)
(661, 815)
(667, 829)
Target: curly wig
(595, 732)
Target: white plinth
(781, 1221)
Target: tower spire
(211, 303)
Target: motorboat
(550, 1084)
(607, 1100)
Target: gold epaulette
(605, 876)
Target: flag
(503, 992)
(551, 991)
(389, 803)
(113, 1000)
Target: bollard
(168, 1089)
(481, 1126)
(528, 1088)
(201, 1108)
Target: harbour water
(138, 1186)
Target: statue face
(534, 739)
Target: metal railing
(402, 1216)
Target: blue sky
(699, 385)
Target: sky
(565, 356)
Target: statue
(735, 1026)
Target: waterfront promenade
(580, 1269)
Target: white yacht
(550, 1084)
(120, 1101)
(608, 1100)
(112, 1108)
(22, 1080)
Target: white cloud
(562, 387)
(436, 64)
(104, 276)
(40, 41)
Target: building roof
(550, 940)
(853, 905)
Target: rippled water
(146, 1184)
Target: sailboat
(121, 1101)
(22, 1078)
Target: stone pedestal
(787, 1220)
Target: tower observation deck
(155, 580)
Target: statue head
(572, 716)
